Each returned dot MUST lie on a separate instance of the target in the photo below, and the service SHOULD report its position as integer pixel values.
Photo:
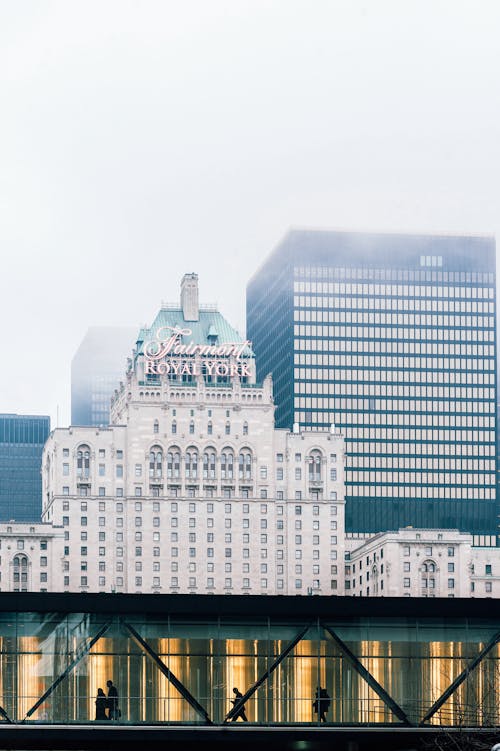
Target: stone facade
(421, 563)
(191, 488)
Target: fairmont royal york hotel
(191, 488)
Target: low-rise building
(421, 563)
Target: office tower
(22, 438)
(392, 339)
(96, 371)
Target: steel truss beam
(236, 708)
(181, 688)
(368, 677)
(461, 678)
(68, 670)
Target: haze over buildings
(392, 339)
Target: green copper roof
(211, 324)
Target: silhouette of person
(241, 710)
(101, 704)
(112, 701)
(321, 704)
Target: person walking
(112, 702)
(101, 704)
(241, 711)
(321, 704)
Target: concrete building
(191, 488)
(421, 563)
(22, 438)
(392, 339)
(96, 371)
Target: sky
(143, 140)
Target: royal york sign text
(167, 354)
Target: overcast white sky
(140, 140)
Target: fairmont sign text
(168, 354)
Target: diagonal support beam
(461, 678)
(5, 716)
(236, 708)
(86, 649)
(181, 688)
(368, 677)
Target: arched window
(174, 464)
(428, 580)
(156, 427)
(228, 428)
(227, 465)
(191, 464)
(83, 462)
(209, 428)
(245, 428)
(174, 427)
(155, 462)
(20, 573)
(191, 427)
(245, 465)
(314, 462)
(209, 464)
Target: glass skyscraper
(22, 438)
(96, 371)
(392, 338)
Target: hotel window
(66, 490)
(245, 428)
(245, 465)
(156, 427)
(210, 429)
(191, 464)
(298, 473)
(83, 462)
(174, 427)
(314, 464)
(102, 470)
(65, 469)
(451, 552)
(119, 454)
(488, 587)
(138, 470)
(65, 452)
(451, 583)
(228, 582)
(174, 582)
(227, 464)
(228, 428)
(155, 463)
(406, 583)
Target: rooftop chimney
(189, 297)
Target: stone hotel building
(190, 488)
